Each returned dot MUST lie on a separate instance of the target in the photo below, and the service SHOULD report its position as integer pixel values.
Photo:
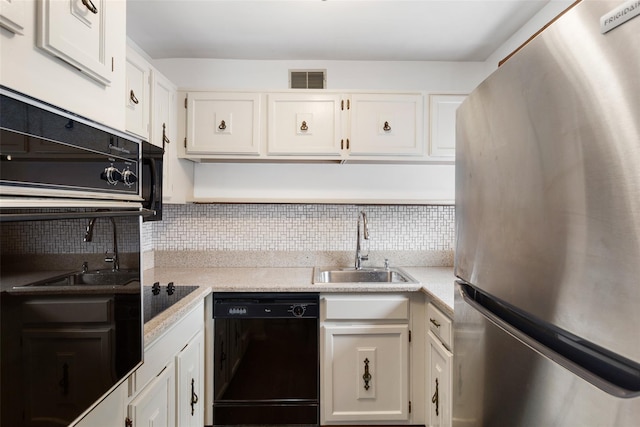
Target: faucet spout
(88, 237)
(362, 219)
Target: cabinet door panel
(386, 125)
(365, 373)
(190, 386)
(71, 31)
(443, 109)
(137, 95)
(155, 405)
(439, 383)
(303, 124)
(223, 123)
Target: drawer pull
(366, 376)
(386, 127)
(435, 322)
(89, 5)
(133, 98)
(222, 125)
(194, 396)
(435, 399)
(304, 126)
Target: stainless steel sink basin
(363, 275)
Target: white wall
(222, 74)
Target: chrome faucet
(88, 236)
(362, 217)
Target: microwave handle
(154, 187)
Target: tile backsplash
(299, 227)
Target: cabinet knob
(386, 127)
(133, 98)
(89, 5)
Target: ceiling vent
(307, 79)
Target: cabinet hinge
(342, 104)
(185, 102)
(112, 64)
(409, 335)
(185, 142)
(409, 406)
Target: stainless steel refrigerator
(547, 308)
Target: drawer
(365, 307)
(439, 324)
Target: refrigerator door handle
(604, 369)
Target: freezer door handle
(604, 369)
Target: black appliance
(266, 366)
(45, 151)
(152, 163)
(71, 315)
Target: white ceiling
(418, 30)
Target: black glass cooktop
(157, 299)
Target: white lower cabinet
(190, 383)
(154, 406)
(439, 383)
(439, 370)
(168, 389)
(365, 359)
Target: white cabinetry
(386, 125)
(304, 124)
(442, 142)
(164, 129)
(439, 370)
(155, 405)
(161, 390)
(12, 15)
(220, 123)
(364, 364)
(78, 33)
(138, 94)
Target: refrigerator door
(500, 381)
(547, 181)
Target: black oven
(266, 359)
(71, 314)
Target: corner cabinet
(168, 389)
(439, 378)
(364, 359)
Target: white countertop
(436, 282)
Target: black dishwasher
(266, 359)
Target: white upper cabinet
(386, 125)
(77, 31)
(220, 123)
(137, 96)
(442, 142)
(12, 15)
(304, 124)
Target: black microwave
(151, 183)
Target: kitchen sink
(362, 275)
(92, 278)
